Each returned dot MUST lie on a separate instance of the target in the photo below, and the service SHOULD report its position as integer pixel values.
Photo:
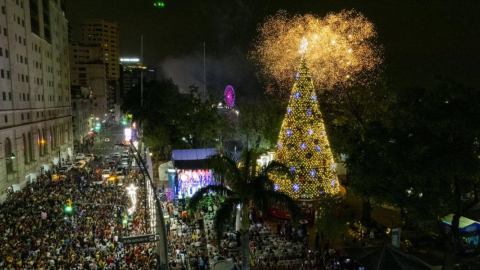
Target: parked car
(90, 157)
(65, 169)
(119, 174)
(125, 162)
(80, 157)
(105, 173)
(112, 162)
(79, 165)
(119, 170)
(120, 166)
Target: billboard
(127, 134)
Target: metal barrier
(155, 206)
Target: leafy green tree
(172, 120)
(259, 122)
(434, 153)
(241, 185)
(332, 217)
(349, 114)
(201, 122)
(424, 158)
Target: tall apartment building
(131, 73)
(87, 69)
(105, 34)
(35, 109)
(100, 32)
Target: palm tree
(242, 184)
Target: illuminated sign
(128, 134)
(131, 60)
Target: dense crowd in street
(193, 245)
(36, 232)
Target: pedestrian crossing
(104, 148)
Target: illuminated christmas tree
(303, 144)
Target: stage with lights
(190, 173)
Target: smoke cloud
(230, 69)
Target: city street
(73, 219)
(115, 134)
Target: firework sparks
(340, 48)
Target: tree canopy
(174, 120)
(416, 149)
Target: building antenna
(141, 71)
(204, 72)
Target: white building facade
(35, 105)
(82, 112)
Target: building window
(8, 155)
(44, 137)
(25, 156)
(6, 118)
(30, 146)
(40, 141)
(4, 94)
(52, 138)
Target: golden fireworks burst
(340, 48)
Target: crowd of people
(38, 232)
(186, 239)
(192, 243)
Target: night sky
(422, 39)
